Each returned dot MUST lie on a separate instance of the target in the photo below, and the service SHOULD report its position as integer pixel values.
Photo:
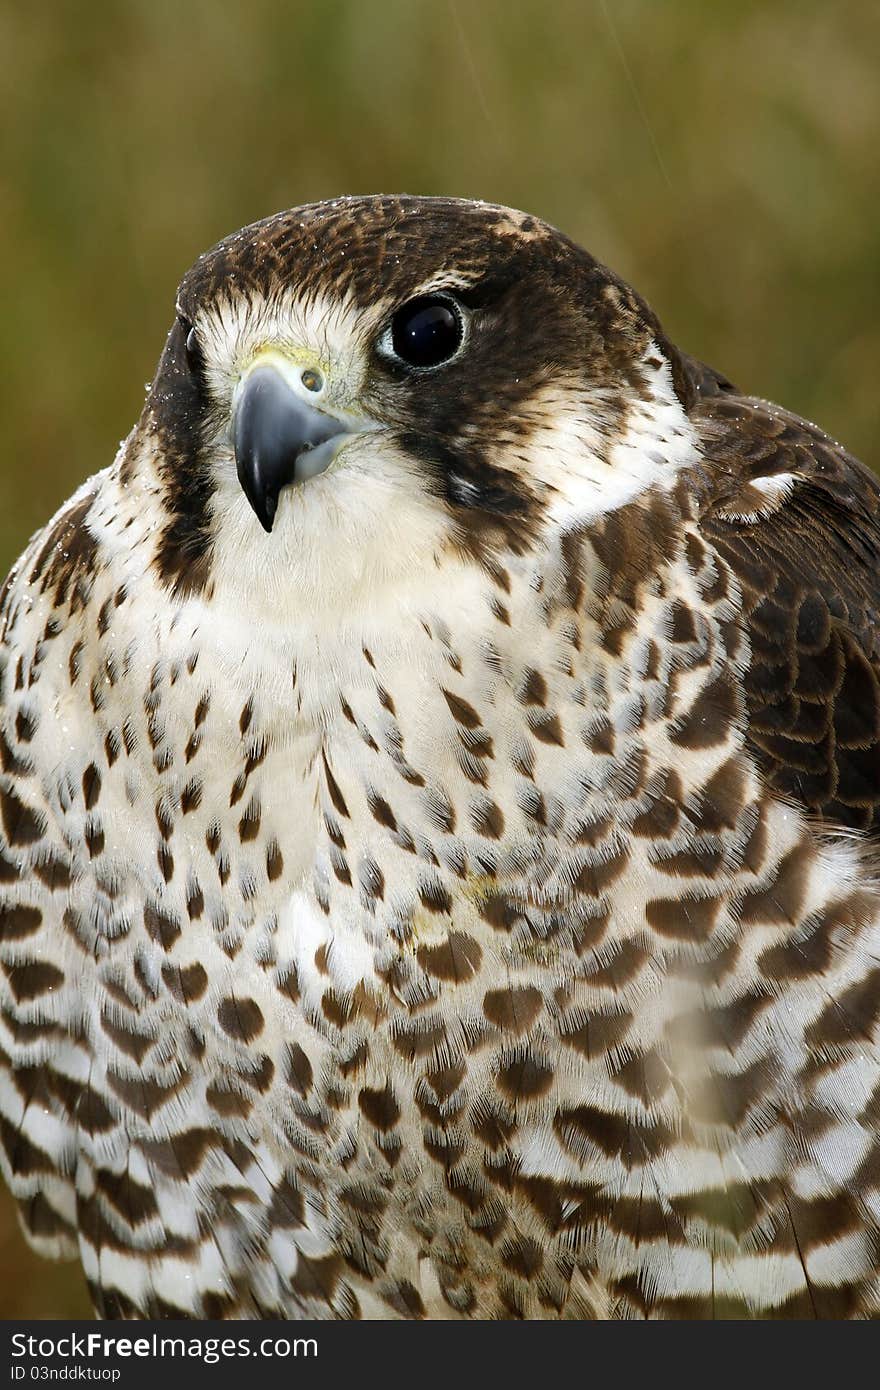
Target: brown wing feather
(809, 566)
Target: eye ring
(425, 333)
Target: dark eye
(427, 331)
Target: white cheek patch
(593, 469)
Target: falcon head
(370, 387)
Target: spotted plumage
(458, 901)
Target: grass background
(722, 157)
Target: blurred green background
(721, 156)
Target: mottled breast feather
(456, 901)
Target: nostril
(312, 380)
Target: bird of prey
(440, 784)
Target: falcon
(440, 786)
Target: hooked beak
(279, 439)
